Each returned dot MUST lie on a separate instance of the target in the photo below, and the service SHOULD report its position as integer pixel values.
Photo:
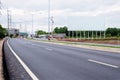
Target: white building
(13, 31)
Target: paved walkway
(1, 68)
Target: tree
(112, 32)
(56, 30)
(61, 30)
(3, 32)
(40, 32)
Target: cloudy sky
(75, 14)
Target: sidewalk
(1, 67)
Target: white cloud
(63, 10)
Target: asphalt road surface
(48, 61)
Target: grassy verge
(102, 45)
(76, 43)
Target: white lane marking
(40, 46)
(34, 44)
(48, 49)
(106, 64)
(32, 75)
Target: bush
(3, 32)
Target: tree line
(112, 32)
(109, 32)
(85, 34)
(57, 30)
(61, 30)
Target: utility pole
(72, 33)
(96, 34)
(69, 34)
(92, 34)
(100, 34)
(52, 21)
(49, 16)
(76, 34)
(80, 35)
(88, 34)
(8, 21)
(84, 34)
(104, 34)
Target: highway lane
(56, 62)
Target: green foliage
(112, 32)
(61, 30)
(85, 34)
(11, 35)
(3, 32)
(40, 32)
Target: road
(49, 61)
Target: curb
(1, 60)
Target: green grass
(102, 45)
(75, 43)
(99, 45)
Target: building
(23, 34)
(13, 31)
(59, 36)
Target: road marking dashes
(48, 49)
(102, 63)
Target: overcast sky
(75, 14)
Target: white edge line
(32, 75)
(106, 64)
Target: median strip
(32, 75)
(102, 63)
